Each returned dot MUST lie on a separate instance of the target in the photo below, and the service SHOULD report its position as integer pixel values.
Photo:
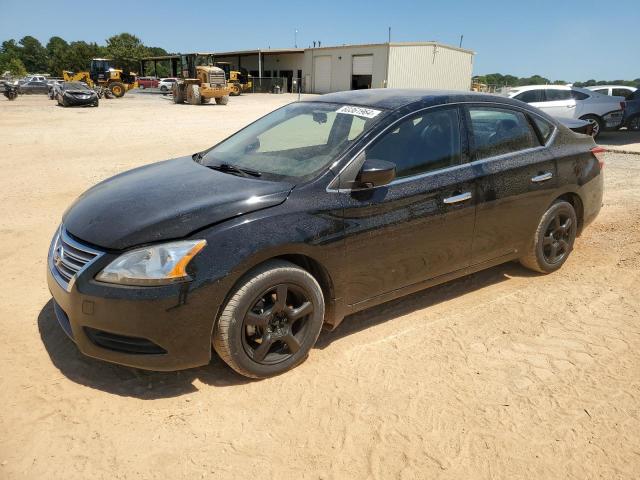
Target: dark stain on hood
(165, 201)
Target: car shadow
(619, 138)
(121, 380)
(148, 385)
(423, 299)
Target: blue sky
(558, 39)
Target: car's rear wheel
(271, 321)
(553, 240)
(596, 124)
(634, 123)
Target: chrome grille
(217, 78)
(67, 258)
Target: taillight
(599, 152)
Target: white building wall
(341, 65)
(429, 66)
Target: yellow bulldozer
(102, 73)
(199, 81)
(239, 80)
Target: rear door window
(530, 96)
(544, 128)
(621, 92)
(576, 95)
(497, 131)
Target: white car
(601, 111)
(613, 90)
(166, 84)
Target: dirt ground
(503, 374)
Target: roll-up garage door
(322, 74)
(363, 65)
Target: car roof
(392, 98)
(524, 88)
(593, 87)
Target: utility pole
(295, 38)
(461, 37)
(389, 35)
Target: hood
(165, 201)
(80, 92)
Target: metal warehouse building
(349, 67)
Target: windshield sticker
(358, 111)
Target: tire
(634, 124)
(117, 88)
(553, 240)
(205, 100)
(163, 89)
(193, 94)
(222, 100)
(256, 298)
(178, 94)
(596, 122)
(235, 90)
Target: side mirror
(375, 173)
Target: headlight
(153, 265)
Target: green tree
(58, 56)
(13, 65)
(80, 54)
(126, 50)
(33, 55)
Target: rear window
(497, 131)
(578, 95)
(554, 95)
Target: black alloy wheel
(556, 240)
(553, 240)
(271, 321)
(276, 324)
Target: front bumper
(80, 101)
(155, 328)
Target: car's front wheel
(271, 321)
(553, 241)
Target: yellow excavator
(102, 73)
(239, 80)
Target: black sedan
(76, 94)
(315, 211)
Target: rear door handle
(463, 197)
(543, 177)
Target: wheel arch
(576, 202)
(306, 262)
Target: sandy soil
(503, 374)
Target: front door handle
(543, 177)
(463, 197)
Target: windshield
(75, 86)
(295, 141)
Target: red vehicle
(148, 82)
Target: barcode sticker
(359, 111)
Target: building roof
(264, 51)
(396, 44)
(393, 98)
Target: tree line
(499, 80)
(28, 55)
